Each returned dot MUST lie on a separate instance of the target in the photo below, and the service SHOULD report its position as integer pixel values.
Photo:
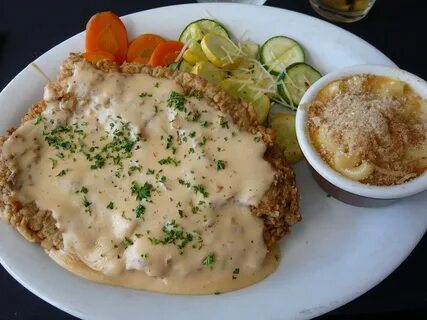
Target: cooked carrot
(106, 32)
(95, 56)
(165, 53)
(141, 48)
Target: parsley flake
(139, 211)
(235, 273)
(205, 124)
(202, 142)
(200, 189)
(62, 173)
(169, 160)
(127, 242)
(145, 94)
(209, 260)
(177, 101)
(142, 192)
(220, 165)
(173, 234)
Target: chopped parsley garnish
(132, 169)
(235, 273)
(142, 192)
(145, 94)
(177, 101)
(38, 120)
(209, 260)
(220, 165)
(84, 190)
(200, 189)
(191, 150)
(62, 173)
(194, 209)
(202, 142)
(169, 160)
(127, 242)
(192, 134)
(197, 94)
(169, 141)
(181, 213)
(87, 204)
(205, 124)
(184, 183)
(150, 171)
(257, 139)
(70, 138)
(193, 116)
(173, 233)
(199, 245)
(139, 211)
(161, 179)
(99, 162)
(223, 122)
(110, 205)
(119, 148)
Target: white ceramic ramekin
(334, 183)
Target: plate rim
(312, 313)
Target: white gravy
(143, 194)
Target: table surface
(397, 28)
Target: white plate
(334, 255)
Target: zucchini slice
(242, 89)
(295, 82)
(196, 30)
(283, 126)
(280, 52)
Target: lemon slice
(283, 126)
(221, 51)
(208, 71)
(194, 53)
(242, 89)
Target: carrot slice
(165, 53)
(141, 48)
(106, 32)
(95, 56)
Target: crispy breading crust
(279, 207)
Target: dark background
(396, 27)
